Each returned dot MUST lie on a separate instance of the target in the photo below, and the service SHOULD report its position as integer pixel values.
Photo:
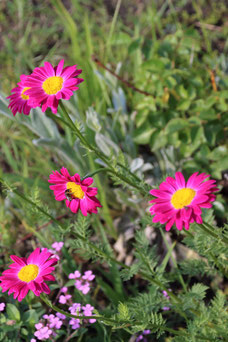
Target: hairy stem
(101, 155)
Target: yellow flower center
(24, 97)
(182, 198)
(28, 273)
(75, 189)
(52, 85)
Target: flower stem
(57, 309)
(91, 174)
(101, 155)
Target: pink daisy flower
(18, 99)
(78, 194)
(180, 202)
(29, 274)
(48, 84)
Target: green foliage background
(175, 53)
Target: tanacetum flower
(180, 202)
(78, 194)
(18, 99)
(29, 274)
(48, 84)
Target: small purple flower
(64, 299)
(146, 332)
(2, 306)
(43, 333)
(38, 326)
(165, 308)
(165, 294)
(33, 340)
(82, 283)
(85, 288)
(75, 308)
(88, 275)
(87, 311)
(55, 323)
(87, 308)
(57, 246)
(63, 289)
(61, 316)
(47, 317)
(74, 275)
(75, 323)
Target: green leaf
(208, 114)
(143, 133)
(218, 153)
(175, 125)
(182, 92)
(30, 317)
(184, 105)
(12, 312)
(154, 64)
(158, 139)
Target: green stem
(57, 309)
(99, 154)
(91, 174)
(174, 262)
(126, 180)
(103, 198)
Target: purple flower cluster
(64, 298)
(45, 330)
(141, 336)
(42, 333)
(78, 310)
(82, 282)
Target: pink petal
(160, 193)
(87, 181)
(74, 205)
(180, 181)
(59, 68)
(49, 69)
(34, 256)
(18, 260)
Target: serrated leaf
(123, 311)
